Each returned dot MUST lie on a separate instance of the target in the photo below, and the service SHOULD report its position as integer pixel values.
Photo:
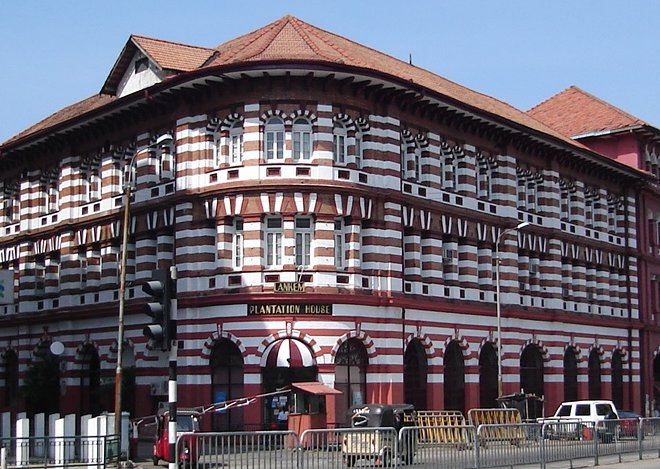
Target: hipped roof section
(288, 41)
(575, 113)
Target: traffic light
(159, 332)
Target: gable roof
(574, 113)
(166, 55)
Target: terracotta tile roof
(172, 55)
(290, 38)
(575, 112)
(69, 112)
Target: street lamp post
(498, 301)
(122, 294)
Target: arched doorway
(532, 377)
(488, 377)
(454, 376)
(414, 375)
(42, 383)
(11, 379)
(351, 364)
(594, 375)
(617, 379)
(570, 375)
(226, 383)
(286, 361)
(90, 381)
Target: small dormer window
(141, 65)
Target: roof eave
(183, 77)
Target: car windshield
(564, 411)
(627, 414)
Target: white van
(598, 415)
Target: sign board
(6, 287)
(289, 287)
(263, 309)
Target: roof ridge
(609, 105)
(307, 29)
(138, 36)
(251, 36)
(531, 109)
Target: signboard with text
(263, 309)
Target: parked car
(580, 419)
(629, 423)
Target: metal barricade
(649, 436)
(441, 426)
(508, 444)
(414, 448)
(499, 425)
(568, 440)
(245, 450)
(366, 447)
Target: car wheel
(350, 461)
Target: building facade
(616, 134)
(334, 215)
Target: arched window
(339, 141)
(570, 375)
(165, 157)
(359, 149)
(236, 142)
(226, 383)
(531, 370)
(350, 376)
(274, 139)
(42, 383)
(90, 381)
(488, 377)
(302, 139)
(454, 377)
(531, 377)
(617, 379)
(414, 375)
(594, 375)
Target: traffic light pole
(171, 388)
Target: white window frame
(301, 139)
(237, 254)
(417, 161)
(304, 235)
(274, 139)
(359, 149)
(273, 234)
(341, 261)
(235, 142)
(484, 180)
(339, 143)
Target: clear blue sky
(57, 52)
